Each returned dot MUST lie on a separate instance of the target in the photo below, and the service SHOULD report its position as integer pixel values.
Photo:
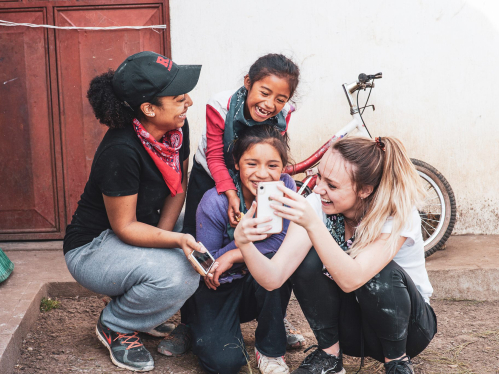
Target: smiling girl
(232, 296)
(263, 99)
(355, 254)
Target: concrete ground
(467, 269)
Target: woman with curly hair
(120, 241)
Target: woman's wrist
(313, 223)
(178, 238)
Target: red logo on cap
(166, 62)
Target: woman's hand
(234, 203)
(247, 230)
(296, 209)
(224, 262)
(189, 244)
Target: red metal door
(48, 131)
(28, 202)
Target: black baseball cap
(146, 75)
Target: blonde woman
(355, 255)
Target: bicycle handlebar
(364, 78)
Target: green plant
(47, 304)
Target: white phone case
(264, 191)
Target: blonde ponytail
(396, 187)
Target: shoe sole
(169, 354)
(116, 362)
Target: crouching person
(120, 241)
(215, 312)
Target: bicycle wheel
(307, 191)
(438, 216)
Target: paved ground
(467, 269)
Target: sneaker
(177, 342)
(294, 339)
(126, 350)
(271, 365)
(320, 362)
(401, 366)
(162, 330)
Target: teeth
(325, 200)
(264, 112)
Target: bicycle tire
(307, 191)
(437, 187)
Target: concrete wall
(440, 62)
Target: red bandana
(164, 154)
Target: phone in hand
(202, 262)
(263, 192)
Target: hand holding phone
(263, 193)
(202, 261)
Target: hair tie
(380, 144)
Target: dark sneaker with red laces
(401, 366)
(177, 343)
(320, 362)
(126, 350)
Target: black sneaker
(401, 366)
(320, 362)
(177, 343)
(126, 350)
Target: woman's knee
(174, 275)
(310, 266)
(391, 277)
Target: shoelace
(312, 355)
(127, 340)
(391, 367)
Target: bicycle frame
(356, 123)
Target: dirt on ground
(63, 341)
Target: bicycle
(438, 215)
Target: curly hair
(108, 109)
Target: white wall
(440, 62)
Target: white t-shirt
(410, 257)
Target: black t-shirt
(121, 167)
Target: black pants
(215, 318)
(199, 182)
(389, 319)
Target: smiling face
(169, 115)
(266, 97)
(172, 112)
(335, 186)
(260, 163)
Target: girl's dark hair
(275, 64)
(108, 109)
(269, 134)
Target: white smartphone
(202, 261)
(263, 209)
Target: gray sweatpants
(147, 285)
